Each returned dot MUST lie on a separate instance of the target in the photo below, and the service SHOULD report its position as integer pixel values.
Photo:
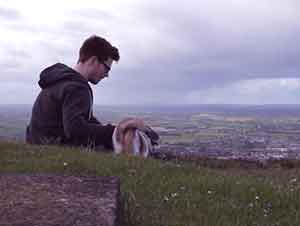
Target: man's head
(96, 56)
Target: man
(62, 112)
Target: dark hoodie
(62, 112)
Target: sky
(172, 52)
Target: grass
(165, 193)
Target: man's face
(99, 70)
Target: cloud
(91, 14)
(229, 39)
(9, 14)
(11, 92)
(257, 91)
(170, 52)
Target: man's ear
(95, 59)
(92, 60)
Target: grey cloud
(17, 53)
(171, 49)
(19, 75)
(83, 28)
(25, 28)
(9, 66)
(87, 21)
(91, 13)
(12, 62)
(9, 14)
(18, 65)
(213, 46)
(15, 92)
(193, 50)
(261, 91)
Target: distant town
(223, 132)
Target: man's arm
(77, 128)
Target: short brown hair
(99, 47)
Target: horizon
(169, 105)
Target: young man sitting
(63, 110)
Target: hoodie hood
(57, 73)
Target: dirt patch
(51, 200)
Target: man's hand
(136, 123)
(127, 123)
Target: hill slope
(173, 193)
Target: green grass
(174, 193)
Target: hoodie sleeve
(77, 127)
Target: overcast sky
(172, 52)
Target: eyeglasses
(107, 67)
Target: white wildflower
(62, 200)
(293, 180)
(182, 188)
(173, 195)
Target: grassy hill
(164, 193)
